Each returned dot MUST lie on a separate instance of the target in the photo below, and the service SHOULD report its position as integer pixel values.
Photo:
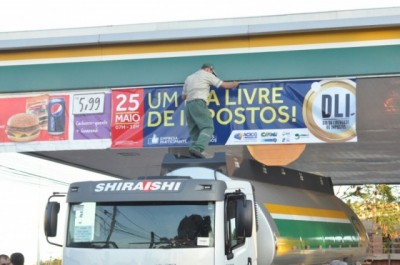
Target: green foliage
(378, 203)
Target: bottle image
(56, 111)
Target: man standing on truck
(199, 121)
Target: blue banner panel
(311, 111)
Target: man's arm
(184, 90)
(228, 85)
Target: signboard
(309, 111)
(34, 118)
(91, 116)
(54, 121)
(255, 113)
(127, 118)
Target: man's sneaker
(206, 155)
(196, 153)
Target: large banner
(310, 111)
(254, 113)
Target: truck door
(238, 229)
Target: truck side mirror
(50, 219)
(244, 218)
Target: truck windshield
(141, 225)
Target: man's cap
(211, 66)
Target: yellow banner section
(294, 210)
(149, 49)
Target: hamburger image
(22, 127)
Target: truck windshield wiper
(158, 244)
(94, 244)
(170, 243)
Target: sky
(23, 15)
(26, 182)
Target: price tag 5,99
(88, 104)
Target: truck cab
(193, 215)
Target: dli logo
(329, 110)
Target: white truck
(194, 214)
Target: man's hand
(228, 85)
(235, 84)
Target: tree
(377, 203)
